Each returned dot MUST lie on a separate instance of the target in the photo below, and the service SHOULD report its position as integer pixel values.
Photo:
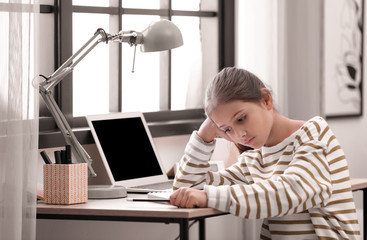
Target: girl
(291, 173)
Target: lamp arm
(46, 87)
(79, 152)
(72, 61)
(130, 37)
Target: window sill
(161, 124)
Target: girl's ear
(267, 98)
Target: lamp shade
(160, 36)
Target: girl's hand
(209, 130)
(189, 198)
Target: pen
(57, 157)
(63, 156)
(147, 200)
(68, 154)
(45, 157)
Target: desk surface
(358, 183)
(122, 207)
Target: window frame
(161, 123)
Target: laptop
(128, 153)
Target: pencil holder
(65, 183)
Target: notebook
(128, 153)
(160, 195)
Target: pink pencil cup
(65, 183)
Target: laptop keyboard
(156, 186)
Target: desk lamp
(159, 36)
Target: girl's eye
(227, 130)
(242, 118)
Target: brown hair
(233, 84)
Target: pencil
(147, 200)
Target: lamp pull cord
(133, 69)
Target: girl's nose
(240, 133)
(243, 134)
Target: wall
(303, 38)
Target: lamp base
(106, 191)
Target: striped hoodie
(300, 187)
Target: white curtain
(203, 64)
(18, 119)
(260, 42)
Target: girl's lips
(248, 142)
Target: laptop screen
(126, 147)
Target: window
(165, 84)
(161, 81)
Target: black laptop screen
(127, 148)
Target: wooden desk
(123, 210)
(361, 184)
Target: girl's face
(246, 123)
